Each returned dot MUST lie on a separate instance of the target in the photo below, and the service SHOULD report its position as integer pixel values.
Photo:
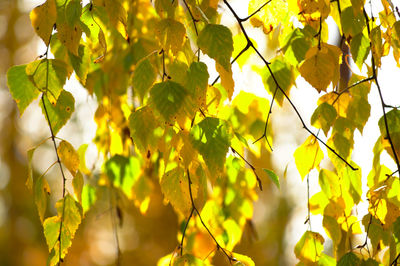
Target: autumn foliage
(164, 122)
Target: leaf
(77, 183)
(321, 66)
(41, 195)
(43, 18)
(81, 63)
(143, 78)
(332, 228)
(60, 112)
(349, 259)
(68, 24)
(216, 41)
(359, 47)
(324, 117)
(88, 197)
(329, 183)
(187, 260)
(169, 98)
(359, 109)
(210, 137)
(175, 187)
(123, 172)
(352, 23)
(226, 80)
(308, 156)
(242, 260)
(197, 79)
(309, 247)
(69, 157)
(142, 125)
(295, 47)
(326, 260)
(82, 160)
(283, 73)
(49, 76)
(273, 177)
(21, 88)
(393, 124)
(171, 34)
(51, 228)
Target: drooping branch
(250, 43)
(53, 138)
(375, 77)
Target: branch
(255, 12)
(53, 137)
(351, 86)
(191, 15)
(194, 209)
(375, 77)
(266, 122)
(250, 43)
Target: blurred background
(279, 214)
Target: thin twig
(255, 12)
(250, 165)
(191, 15)
(380, 94)
(351, 86)
(280, 88)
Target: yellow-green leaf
(216, 41)
(308, 156)
(77, 183)
(21, 88)
(171, 34)
(142, 124)
(41, 195)
(274, 178)
(69, 157)
(309, 248)
(43, 18)
(324, 117)
(60, 112)
(143, 78)
(175, 187)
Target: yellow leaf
(226, 79)
(171, 34)
(321, 66)
(309, 247)
(68, 156)
(70, 37)
(308, 156)
(43, 18)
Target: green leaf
(142, 125)
(143, 78)
(359, 109)
(295, 47)
(210, 137)
(329, 183)
(123, 172)
(284, 75)
(309, 247)
(80, 63)
(326, 260)
(324, 117)
(359, 47)
(349, 259)
(77, 184)
(73, 11)
(175, 187)
(393, 122)
(332, 228)
(188, 260)
(171, 34)
(166, 8)
(51, 228)
(169, 98)
(308, 156)
(273, 177)
(48, 75)
(197, 77)
(88, 197)
(60, 112)
(21, 88)
(352, 23)
(216, 41)
(41, 195)
(29, 180)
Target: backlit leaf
(51, 231)
(320, 67)
(175, 187)
(274, 178)
(21, 88)
(226, 80)
(295, 47)
(69, 157)
(323, 117)
(309, 247)
(77, 183)
(359, 47)
(242, 260)
(169, 98)
(143, 78)
(210, 137)
(60, 112)
(41, 195)
(170, 33)
(142, 124)
(352, 22)
(349, 259)
(216, 41)
(308, 156)
(43, 18)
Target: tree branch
(249, 42)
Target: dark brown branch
(191, 15)
(255, 12)
(395, 260)
(266, 122)
(375, 77)
(280, 88)
(349, 87)
(250, 165)
(53, 138)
